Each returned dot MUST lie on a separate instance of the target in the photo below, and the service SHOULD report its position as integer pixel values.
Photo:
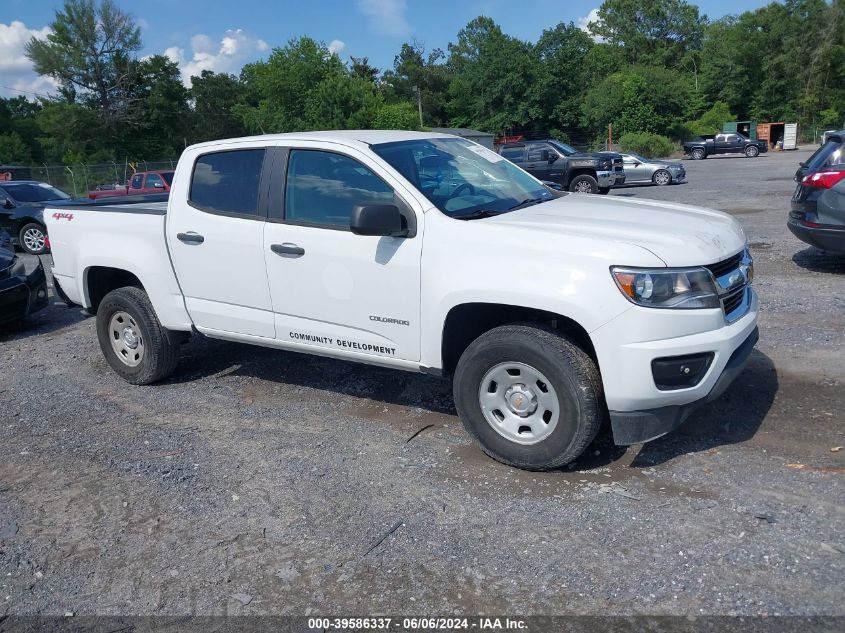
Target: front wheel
(33, 238)
(698, 154)
(584, 184)
(752, 152)
(661, 178)
(529, 396)
(132, 339)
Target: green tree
(13, 150)
(284, 84)
(90, 51)
(658, 32)
(215, 96)
(397, 116)
(492, 79)
(416, 70)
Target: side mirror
(8, 204)
(377, 219)
(547, 156)
(158, 185)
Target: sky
(223, 36)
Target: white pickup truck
(428, 253)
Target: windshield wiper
(527, 203)
(477, 215)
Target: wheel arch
(98, 281)
(465, 322)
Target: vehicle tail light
(47, 241)
(823, 179)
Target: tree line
(657, 68)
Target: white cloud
(16, 70)
(584, 25)
(228, 55)
(336, 46)
(386, 16)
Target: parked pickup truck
(579, 172)
(724, 144)
(550, 312)
(141, 183)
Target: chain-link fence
(79, 179)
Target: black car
(817, 216)
(23, 286)
(554, 161)
(5, 241)
(21, 212)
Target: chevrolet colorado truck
(731, 143)
(549, 311)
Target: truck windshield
(463, 179)
(563, 148)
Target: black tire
(160, 356)
(581, 183)
(572, 374)
(604, 190)
(29, 232)
(664, 179)
(698, 154)
(752, 152)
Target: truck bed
(128, 235)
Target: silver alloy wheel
(126, 340)
(752, 152)
(662, 177)
(583, 187)
(34, 240)
(519, 402)
(698, 154)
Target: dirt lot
(256, 481)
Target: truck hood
(678, 234)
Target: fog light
(41, 293)
(680, 372)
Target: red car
(142, 182)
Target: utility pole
(419, 103)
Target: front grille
(725, 266)
(732, 301)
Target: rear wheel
(698, 154)
(132, 339)
(752, 152)
(529, 396)
(584, 184)
(33, 238)
(662, 177)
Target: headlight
(679, 288)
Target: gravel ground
(258, 482)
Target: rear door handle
(190, 238)
(287, 250)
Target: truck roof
(368, 137)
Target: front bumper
(825, 238)
(23, 295)
(634, 427)
(627, 346)
(610, 178)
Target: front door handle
(190, 238)
(287, 250)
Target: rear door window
(514, 154)
(227, 182)
(831, 153)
